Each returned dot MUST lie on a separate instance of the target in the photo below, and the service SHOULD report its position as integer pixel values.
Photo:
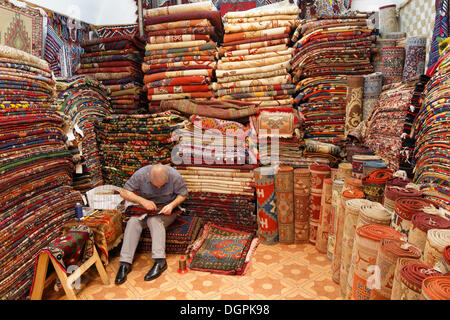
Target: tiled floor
(279, 272)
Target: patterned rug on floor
(222, 250)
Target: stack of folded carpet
(36, 196)
(432, 152)
(319, 150)
(255, 58)
(24, 79)
(116, 62)
(214, 157)
(181, 50)
(220, 109)
(129, 142)
(385, 129)
(326, 52)
(84, 101)
(279, 136)
(224, 195)
(212, 141)
(406, 159)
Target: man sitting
(152, 187)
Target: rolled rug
(388, 19)
(436, 288)
(374, 213)
(398, 36)
(344, 170)
(397, 182)
(352, 211)
(319, 173)
(353, 183)
(371, 166)
(373, 84)
(392, 62)
(337, 186)
(358, 164)
(392, 193)
(396, 285)
(374, 184)
(405, 208)
(437, 240)
(388, 255)
(334, 173)
(302, 189)
(415, 57)
(324, 218)
(421, 223)
(266, 205)
(444, 265)
(284, 190)
(364, 255)
(355, 92)
(339, 231)
(411, 277)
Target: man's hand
(167, 210)
(148, 205)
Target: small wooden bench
(66, 281)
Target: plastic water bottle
(79, 211)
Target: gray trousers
(132, 235)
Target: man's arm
(167, 210)
(132, 197)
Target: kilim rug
(238, 6)
(302, 190)
(266, 205)
(222, 250)
(21, 28)
(284, 185)
(107, 228)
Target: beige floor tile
(282, 271)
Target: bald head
(158, 175)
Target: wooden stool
(66, 281)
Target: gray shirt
(140, 183)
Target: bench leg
(70, 293)
(100, 268)
(41, 273)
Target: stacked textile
(214, 159)
(129, 142)
(385, 129)
(36, 196)
(25, 79)
(326, 52)
(181, 50)
(116, 61)
(223, 195)
(280, 137)
(212, 141)
(255, 59)
(83, 102)
(432, 152)
(219, 109)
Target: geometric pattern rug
(417, 19)
(21, 28)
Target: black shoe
(124, 269)
(158, 268)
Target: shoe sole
(157, 276)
